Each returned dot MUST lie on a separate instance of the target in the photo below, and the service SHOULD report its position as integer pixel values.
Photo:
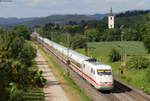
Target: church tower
(111, 19)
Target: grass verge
(34, 94)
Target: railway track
(121, 92)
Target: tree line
(132, 13)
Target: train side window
(91, 70)
(94, 72)
(83, 65)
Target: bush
(78, 41)
(15, 93)
(114, 55)
(36, 78)
(138, 63)
(148, 75)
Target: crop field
(100, 51)
(130, 47)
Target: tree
(73, 29)
(21, 31)
(102, 25)
(16, 56)
(147, 33)
(131, 34)
(114, 55)
(112, 35)
(91, 34)
(72, 23)
(147, 41)
(78, 41)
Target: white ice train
(96, 73)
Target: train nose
(110, 87)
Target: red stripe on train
(90, 77)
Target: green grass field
(101, 50)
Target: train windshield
(104, 72)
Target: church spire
(111, 14)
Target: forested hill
(13, 20)
(128, 18)
(131, 18)
(59, 19)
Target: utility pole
(42, 34)
(122, 33)
(86, 39)
(68, 44)
(68, 57)
(123, 56)
(122, 39)
(52, 36)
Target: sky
(38, 8)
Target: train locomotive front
(101, 74)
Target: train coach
(98, 74)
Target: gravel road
(52, 89)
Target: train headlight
(105, 82)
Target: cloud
(140, 4)
(24, 8)
(36, 2)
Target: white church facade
(111, 20)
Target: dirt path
(52, 89)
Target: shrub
(36, 78)
(78, 41)
(148, 75)
(114, 55)
(138, 63)
(15, 93)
